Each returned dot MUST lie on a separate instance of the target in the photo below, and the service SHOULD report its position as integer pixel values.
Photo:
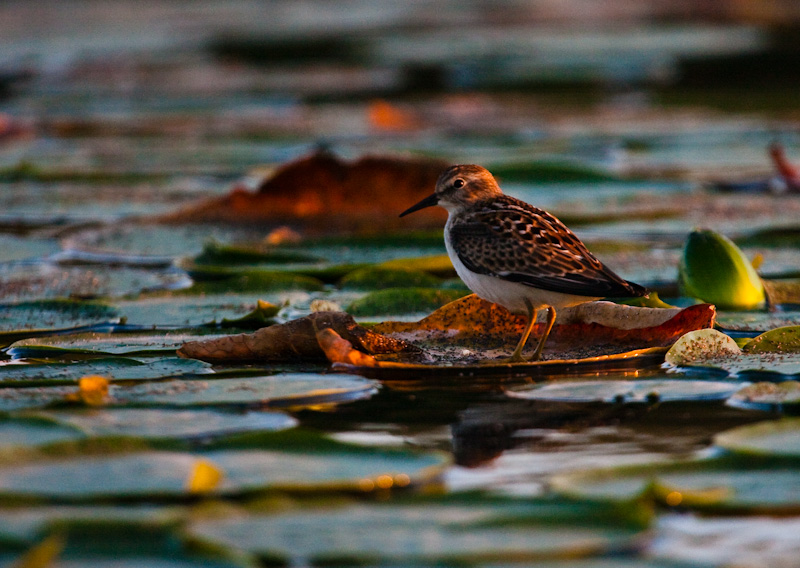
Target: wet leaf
(715, 270)
(155, 423)
(629, 392)
(115, 368)
(456, 531)
(295, 340)
(143, 473)
(54, 314)
(218, 254)
(717, 485)
(322, 190)
(379, 277)
(782, 397)
(403, 300)
(780, 340)
(701, 346)
(773, 438)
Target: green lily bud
(715, 270)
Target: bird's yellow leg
(551, 320)
(516, 356)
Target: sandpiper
(517, 255)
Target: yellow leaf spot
(205, 477)
(384, 481)
(93, 390)
(43, 555)
(674, 498)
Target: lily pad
(219, 254)
(145, 473)
(191, 311)
(115, 368)
(220, 281)
(782, 397)
(153, 423)
(54, 314)
(280, 390)
(454, 532)
(379, 277)
(95, 344)
(629, 392)
(403, 300)
(780, 340)
(439, 265)
(773, 438)
(34, 431)
(717, 485)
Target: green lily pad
(438, 265)
(220, 280)
(427, 531)
(715, 270)
(774, 438)
(629, 392)
(114, 368)
(550, 171)
(219, 254)
(193, 311)
(782, 397)
(35, 431)
(146, 473)
(96, 344)
(39, 314)
(24, 527)
(154, 423)
(780, 340)
(403, 301)
(377, 278)
(13, 248)
(282, 390)
(719, 485)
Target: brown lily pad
(480, 325)
(321, 192)
(295, 340)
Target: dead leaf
(481, 323)
(295, 340)
(323, 193)
(339, 350)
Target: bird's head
(458, 188)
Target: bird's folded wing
(534, 249)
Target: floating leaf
(143, 473)
(773, 438)
(629, 392)
(695, 347)
(218, 254)
(116, 368)
(715, 270)
(54, 314)
(379, 277)
(709, 485)
(455, 532)
(295, 340)
(438, 265)
(403, 300)
(780, 340)
(782, 397)
(221, 280)
(156, 423)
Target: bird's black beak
(429, 201)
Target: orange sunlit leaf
(204, 477)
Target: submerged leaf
(715, 270)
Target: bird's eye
(458, 183)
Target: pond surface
(115, 451)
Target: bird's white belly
(511, 295)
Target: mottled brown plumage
(515, 254)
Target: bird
(514, 254)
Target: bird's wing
(521, 243)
